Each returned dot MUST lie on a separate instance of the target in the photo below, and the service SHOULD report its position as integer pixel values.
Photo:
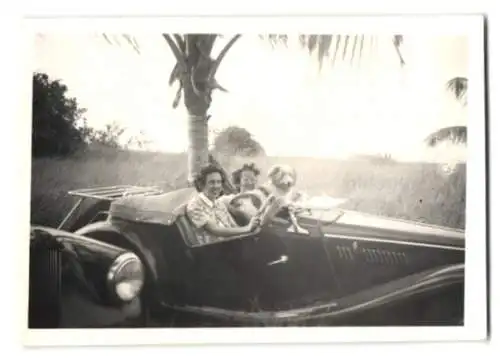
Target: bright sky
(279, 95)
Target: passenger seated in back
(245, 180)
(207, 212)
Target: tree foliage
(59, 127)
(237, 141)
(55, 118)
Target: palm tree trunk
(197, 105)
(199, 154)
(198, 144)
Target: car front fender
(122, 236)
(65, 289)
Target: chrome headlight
(126, 277)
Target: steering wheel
(256, 200)
(240, 215)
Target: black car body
(349, 268)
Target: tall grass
(415, 191)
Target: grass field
(415, 191)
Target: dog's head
(282, 176)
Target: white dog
(280, 192)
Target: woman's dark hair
(201, 178)
(237, 173)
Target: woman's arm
(219, 231)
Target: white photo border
(475, 316)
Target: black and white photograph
(237, 175)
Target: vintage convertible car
(132, 258)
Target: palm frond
(222, 54)
(280, 39)
(397, 41)
(114, 40)
(323, 43)
(132, 41)
(302, 40)
(337, 45)
(354, 48)
(459, 87)
(106, 37)
(454, 134)
(179, 55)
(361, 45)
(181, 42)
(346, 45)
(324, 48)
(312, 42)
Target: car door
(223, 274)
(275, 269)
(291, 267)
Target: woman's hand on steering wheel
(255, 224)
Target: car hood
(341, 222)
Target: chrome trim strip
(381, 240)
(453, 268)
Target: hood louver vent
(372, 255)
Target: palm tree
(196, 67)
(456, 134)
